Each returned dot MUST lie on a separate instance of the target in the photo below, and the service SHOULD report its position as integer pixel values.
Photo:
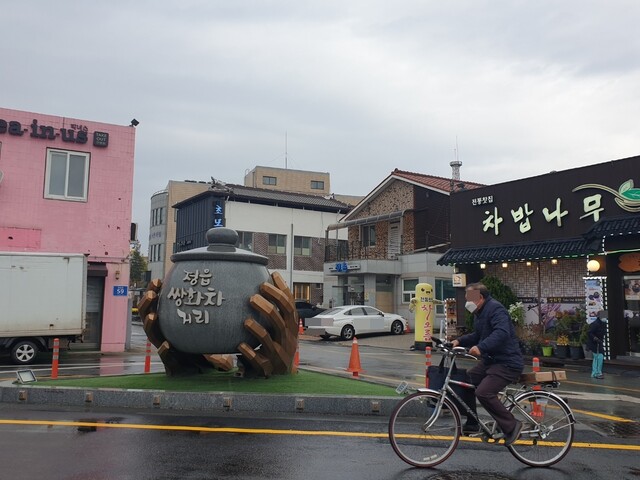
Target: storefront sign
(594, 297)
(563, 204)
(78, 134)
(218, 213)
(629, 262)
(344, 267)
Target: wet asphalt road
(123, 444)
(70, 444)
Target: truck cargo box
(42, 294)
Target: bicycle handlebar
(449, 349)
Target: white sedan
(351, 320)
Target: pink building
(66, 187)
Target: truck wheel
(24, 352)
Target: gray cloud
(359, 88)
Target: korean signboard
(557, 205)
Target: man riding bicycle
(494, 341)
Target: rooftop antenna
(285, 150)
(455, 164)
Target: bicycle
(425, 427)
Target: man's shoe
(599, 377)
(514, 435)
(470, 428)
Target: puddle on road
(618, 429)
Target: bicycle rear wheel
(548, 428)
(419, 435)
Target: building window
(155, 253)
(408, 289)
(368, 235)
(277, 244)
(245, 240)
(269, 180)
(157, 216)
(302, 291)
(317, 185)
(67, 175)
(444, 289)
(302, 246)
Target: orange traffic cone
(407, 328)
(354, 360)
(300, 327)
(296, 358)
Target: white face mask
(470, 306)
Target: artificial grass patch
(303, 382)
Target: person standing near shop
(595, 343)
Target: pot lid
(222, 246)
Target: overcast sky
(357, 88)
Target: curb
(210, 402)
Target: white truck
(42, 297)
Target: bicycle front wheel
(548, 428)
(422, 435)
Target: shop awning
(576, 247)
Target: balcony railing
(344, 251)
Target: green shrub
(500, 291)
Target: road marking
(608, 387)
(589, 396)
(267, 431)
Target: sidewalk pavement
(222, 402)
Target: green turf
(303, 382)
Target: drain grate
(619, 429)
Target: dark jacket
(495, 335)
(595, 335)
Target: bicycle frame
(425, 427)
(508, 396)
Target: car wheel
(24, 352)
(347, 332)
(397, 328)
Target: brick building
(396, 234)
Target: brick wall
(397, 196)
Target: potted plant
(531, 339)
(517, 313)
(575, 350)
(547, 348)
(562, 345)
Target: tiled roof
(615, 226)
(439, 183)
(518, 252)
(589, 243)
(271, 197)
